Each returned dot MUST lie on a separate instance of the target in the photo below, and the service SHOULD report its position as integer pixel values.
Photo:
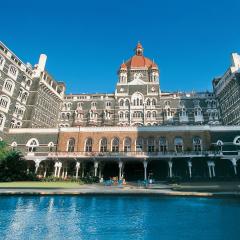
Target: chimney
(42, 62)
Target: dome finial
(139, 49)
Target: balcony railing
(134, 154)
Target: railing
(169, 154)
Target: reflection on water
(106, 217)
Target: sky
(86, 41)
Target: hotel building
(140, 131)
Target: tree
(12, 166)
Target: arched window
(148, 103)
(103, 145)
(154, 114)
(121, 115)
(127, 103)
(32, 145)
(236, 141)
(28, 83)
(139, 145)
(88, 145)
(197, 144)
(126, 115)
(4, 102)
(198, 111)
(71, 145)
(154, 102)
(148, 114)
(51, 147)
(24, 97)
(2, 121)
(13, 72)
(121, 102)
(162, 144)
(151, 144)
(8, 86)
(115, 145)
(127, 145)
(137, 99)
(178, 143)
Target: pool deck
(188, 189)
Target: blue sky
(86, 41)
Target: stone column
(55, 169)
(209, 169)
(77, 169)
(45, 170)
(170, 168)
(120, 165)
(145, 163)
(234, 162)
(100, 172)
(37, 163)
(59, 169)
(190, 168)
(213, 169)
(66, 173)
(95, 168)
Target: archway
(224, 168)
(180, 168)
(110, 169)
(158, 170)
(199, 168)
(133, 171)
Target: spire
(139, 49)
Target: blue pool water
(122, 217)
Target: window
(32, 145)
(236, 141)
(13, 123)
(121, 102)
(71, 145)
(24, 97)
(197, 144)
(103, 145)
(162, 144)
(151, 145)
(4, 102)
(137, 99)
(94, 104)
(154, 102)
(127, 145)
(148, 114)
(139, 145)
(20, 94)
(8, 86)
(115, 145)
(88, 145)
(127, 103)
(121, 115)
(108, 104)
(148, 103)
(178, 143)
(12, 71)
(154, 114)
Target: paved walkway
(97, 189)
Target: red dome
(138, 60)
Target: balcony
(127, 155)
